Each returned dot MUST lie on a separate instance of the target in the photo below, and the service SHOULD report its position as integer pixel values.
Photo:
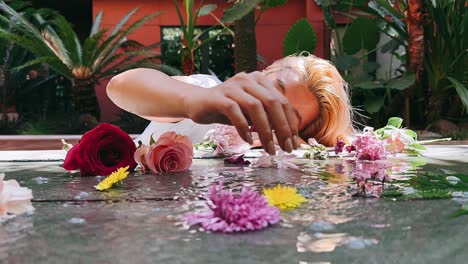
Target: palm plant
(11, 79)
(54, 42)
(191, 41)
(446, 57)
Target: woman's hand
(243, 100)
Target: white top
(186, 127)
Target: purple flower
(229, 212)
(368, 147)
(339, 146)
(239, 160)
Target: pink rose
(395, 146)
(14, 199)
(140, 157)
(170, 153)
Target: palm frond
(69, 38)
(122, 22)
(108, 48)
(96, 28)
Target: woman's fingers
(233, 112)
(252, 99)
(258, 117)
(281, 115)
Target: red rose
(101, 151)
(171, 153)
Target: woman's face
(293, 86)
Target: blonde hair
(334, 121)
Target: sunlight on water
(339, 218)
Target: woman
(296, 98)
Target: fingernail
(271, 148)
(288, 145)
(248, 136)
(295, 140)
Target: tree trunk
(414, 21)
(85, 98)
(245, 41)
(188, 61)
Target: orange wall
(270, 31)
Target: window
(216, 57)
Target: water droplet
(378, 226)
(453, 180)
(227, 174)
(76, 221)
(360, 243)
(457, 194)
(41, 180)
(81, 195)
(408, 190)
(321, 226)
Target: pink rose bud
(170, 153)
(140, 157)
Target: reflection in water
(321, 243)
(13, 234)
(370, 177)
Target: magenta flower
(339, 146)
(228, 212)
(239, 160)
(350, 148)
(369, 147)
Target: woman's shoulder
(202, 80)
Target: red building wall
(270, 31)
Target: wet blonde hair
(335, 118)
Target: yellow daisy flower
(112, 179)
(283, 197)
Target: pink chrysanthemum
(368, 147)
(228, 212)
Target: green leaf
(402, 83)
(363, 33)
(239, 10)
(96, 24)
(206, 10)
(411, 133)
(459, 213)
(367, 85)
(418, 146)
(395, 122)
(346, 62)
(152, 141)
(122, 21)
(300, 37)
(374, 103)
(273, 3)
(461, 90)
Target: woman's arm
(243, 100)
(150, 93)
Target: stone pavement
(141, 223)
